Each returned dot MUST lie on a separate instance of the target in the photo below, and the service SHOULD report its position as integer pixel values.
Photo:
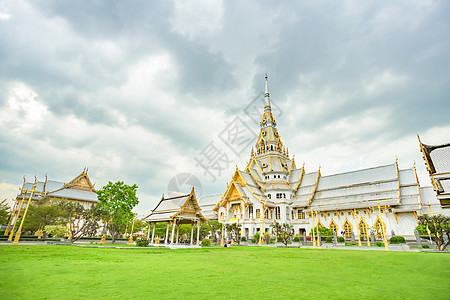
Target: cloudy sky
(143, 91)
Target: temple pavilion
(437, 161)
(80, 190)
(272, 188)
(174, 211)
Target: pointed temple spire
(267, 97)
(268, 139)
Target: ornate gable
(232, 192)
(190, 208)
(81, 182)
(237, 177)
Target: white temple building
(273, 188)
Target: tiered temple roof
(79, 189)
(184, 208)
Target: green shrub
(329, 239)
(243, 239)
(206, 242)
(425, 246)
(379, 244)
(341, 239)
(56, 230)
(272, 241)
(279, 239)
(254, 240)
(353, 242)
(296, 239)
(142, 242)
(256, 236)
(393, 240)
(401, 239)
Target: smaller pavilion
(437, 161)
(175, 211)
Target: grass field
(66, 272)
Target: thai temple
(272, 188)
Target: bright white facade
(272, 188)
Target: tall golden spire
(268, 136)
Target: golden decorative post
(357, 228)
(11, 234)
(367, 231)
(313, 233)
(39, 232)
(19, 231)
(383, 228)
(125, 234)
(130, 240)
(318, 236)
(261, 226)
(222, 242)
(13, 213)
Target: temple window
(250, 211)
(269, 196)
(348, 229)
(301, 214)
(266, 214)
(277, 212)
(379, 227)
(363, 228)
(258, 213)
(333, 226)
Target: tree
(139, 225)
(4, 212)
(234, 230)
(116, 201)
(215, 227)
(82, 221)
(438, 225)
(285, 231)
(276, 229)
(40, 215)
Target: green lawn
(66, 272)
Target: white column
(173, 231)
(178, 232)
(198, 232)
(148, 232)
(166, 238)
(192, 232)
(153, 233)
